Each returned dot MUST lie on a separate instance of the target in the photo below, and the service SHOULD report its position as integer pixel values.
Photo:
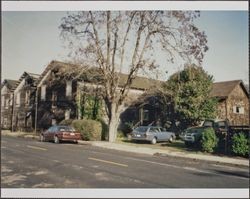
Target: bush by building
(66, 122)
(240, 145)
(90, 129)
(209, 140)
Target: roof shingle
(223, 89)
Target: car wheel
(42, 138)
(188, 144)
(171, 139)
(153, 141)
(56, 140)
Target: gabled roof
(141, 83)
(33, 76)
(223, 89)
(9, 83)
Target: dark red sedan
(60, 133)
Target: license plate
(72, 133)
(138, 135)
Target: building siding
(238, 98)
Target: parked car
(152, 133)
(193, 134)
(60, 133)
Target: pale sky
(30, 40)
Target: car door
(52, 132)
(156, 132)
(47, 133)
(164, 134)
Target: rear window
(65, 128)
(141, 129)
(221, 125)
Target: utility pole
(36, 105)
(12, 112)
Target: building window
(146, 115)
(54, 96)
(11, 100)
(27, 97)
(69, 89)
(5, 122)
(43, 92)
(67, 114)
(238, 109)
(18, 99)
(3, 101)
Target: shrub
(126, 128)
(66, 122)
(105, 129)
(120, 135)
(240, 145)
(90, 129)
(208, 140)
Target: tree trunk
(113, 123)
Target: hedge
(240, 145)
(89, 129)
(66, 122)
(209, 140)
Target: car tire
(171, 139)
(42, 138)
(56, 140)
(154, 141)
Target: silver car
(153, 134)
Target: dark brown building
(56, 95)
(233, 100)
(23, 114)
(59, 90)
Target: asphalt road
(27, 163)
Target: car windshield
(141, 129)
(208, 124)
(66, 128)
(220, 125)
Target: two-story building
(23, 112)
(59, 93)
(233, 101)
(60, 89)
(7, 103)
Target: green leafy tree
(189, 94)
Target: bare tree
(112, 41)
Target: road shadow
(221, 172)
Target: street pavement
(28, 163)
(150, 149)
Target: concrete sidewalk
(167, 152)
(149, 150)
